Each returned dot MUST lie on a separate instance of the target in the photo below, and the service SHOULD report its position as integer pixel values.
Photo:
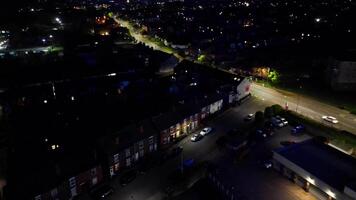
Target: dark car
(260, 134)
(196, 137)
(269, 125)
(267, 164)
(249, 117)
(287, 143)
(128, 177)
(102, 192)
(298, 129)
(268, 131)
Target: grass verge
(343, 139)
(323, 97)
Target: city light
(330, 193)
(58, 20)
(115, 87)
(310, 180)
(112, 74)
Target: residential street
(151, 185)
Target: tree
(268, 112)
(259, 118)
(273, 76)
(276, 109)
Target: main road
(146, 39)
(306, 106)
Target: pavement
(306, 106)
(151, 185)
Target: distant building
(341, 74)
(318, 168)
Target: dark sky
(11, 6)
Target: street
(306, 106)
(151, 185)
(145, 39)
(255, 181)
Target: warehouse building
(319, 169)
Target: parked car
(102, 192)
(298, 129)
(128, 177)
(267, 164)
(249, 117)
(196, 137)
(269, 125)
(260, 134)
(287, 143)
(330, 119)
(283, 120)
(206, 131)
(268, 131)
(277, 122)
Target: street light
(181, 162)
(298, 100)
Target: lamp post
(181, 162)
(298, 99)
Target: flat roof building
(319, 168)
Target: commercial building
(341, 73)
(318, 168)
